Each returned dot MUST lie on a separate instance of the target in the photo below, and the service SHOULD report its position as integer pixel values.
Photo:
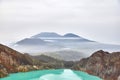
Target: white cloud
(89, 18)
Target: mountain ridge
(53, 34)
(101, 63)
(71, 35)
(65, 55)
(52, 44)
(11, 60)
(31, 41)
(46, 34)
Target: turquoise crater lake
(60, 74)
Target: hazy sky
(98, 20)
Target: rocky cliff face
(11, 60)
(103, 64)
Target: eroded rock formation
(103, 64)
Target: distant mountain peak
(71, 35)
(46, 34)
(31, 41)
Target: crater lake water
(59, 74)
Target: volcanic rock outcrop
(103, 64)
